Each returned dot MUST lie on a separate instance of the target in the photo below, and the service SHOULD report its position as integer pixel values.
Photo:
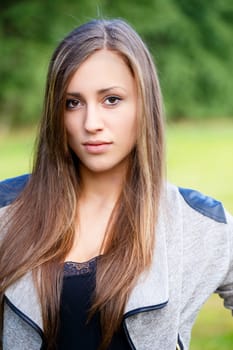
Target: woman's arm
(225, 291)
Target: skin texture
(101, 109)
(101, 124)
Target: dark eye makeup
(72, 103)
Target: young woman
(97, 251)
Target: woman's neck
(105, 186)
(98, 197)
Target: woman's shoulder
(11, 188)
(201, 222)
(193, 204)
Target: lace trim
(72, 268)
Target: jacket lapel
(150, 292)
(23, 295)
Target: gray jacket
(193, 257)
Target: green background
(191, 41)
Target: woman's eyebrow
(74, 94)
(99, 92)
(102, 91)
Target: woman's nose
(93, 120)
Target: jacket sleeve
(225, 291)
(11, 188)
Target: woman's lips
(97, 147)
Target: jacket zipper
(137, 311)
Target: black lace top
(75, 333)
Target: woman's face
(101, 112)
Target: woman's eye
(112, 100)
(72, 103)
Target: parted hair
(40, 232)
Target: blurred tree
(191, 41)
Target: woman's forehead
(102, 70)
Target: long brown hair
(42, 224)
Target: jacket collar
(23, 295)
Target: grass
(199, 156)
(16, 152)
